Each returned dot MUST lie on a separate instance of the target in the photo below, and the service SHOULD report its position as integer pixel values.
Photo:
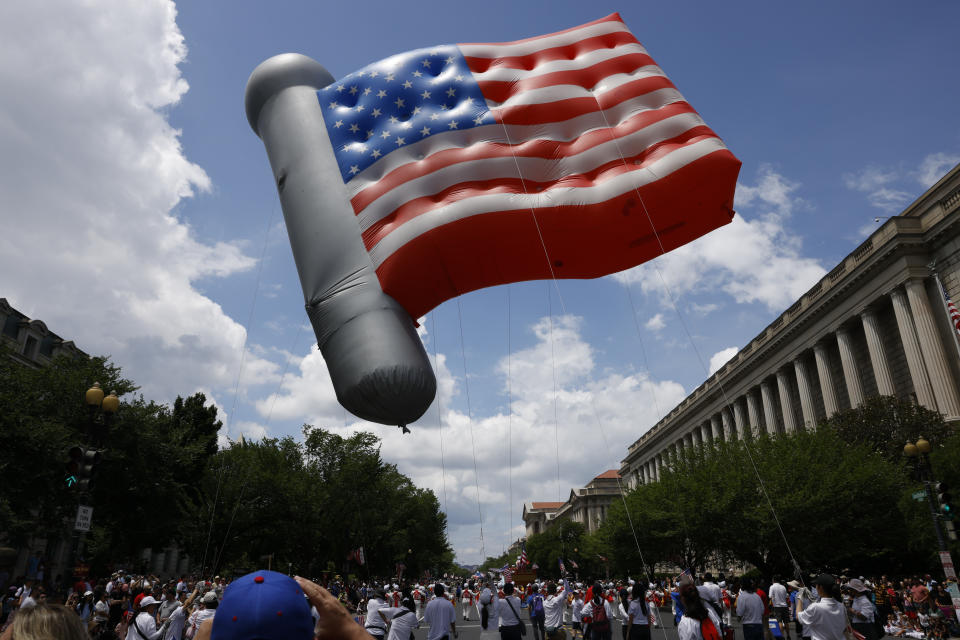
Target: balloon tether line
(676, 309)
(436, 363)
(473, 446)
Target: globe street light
(919, 453)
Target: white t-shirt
(750, 607)
(826, 619)
(197, 618)
(439, 614)
(636, 610)
(175, 624)
(689, 628)
(401, 626)
(553, 607)
(862, 605)
(101, 611)
(778, 595)
(374, 623)
(147, 625)
(577, 609)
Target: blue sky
(147, 226)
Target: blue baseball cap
(263, 605)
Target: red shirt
(766, 602)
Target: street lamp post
(919, 453)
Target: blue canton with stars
(399, 101)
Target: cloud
(655, 323)
(91, 171)
(934, 166)
(752, 260)
(585, 426)
(721, 358)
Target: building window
(11, 327)
(30, 348)
(46, 347)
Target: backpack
(537, 610)
(600, 620)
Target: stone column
(696, 436)
(769, 409)
(728, 428)
(786, 403)
(715, 428)
(878, 357)
(753, 413)
(934, 356)
(830, 406)
(850, 373)
(806, 395)
(705, 434)
(911, 347)
(738, 420)
(657, 463)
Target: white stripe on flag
(507, 74)
(507, 49)
(618, 185)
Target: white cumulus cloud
(655, 323)
(721, 358)
(90, 174)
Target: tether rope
(436, 363)
(473, 446)
(672, 298)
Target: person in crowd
(177, 620)
(699, 621)
(577, 610)
(484, 605)
(711, 594)
(208, 609)
(401, 620)
(750, 611)
(441, 615)
(779, 601)
(144, 625)
(861, 611)
(638, 615)
(826, 617)
(554, 606)
(45, 622)
(600, 614)
(466, 600)
(375, 626)
(506, 611)
(534, 603)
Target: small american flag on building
(951, 309)
(522, 560)
(569, 155)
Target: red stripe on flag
(572, 107)
(583, 242)
(565, 52)
(586, 78)
(468, 189)
(528, 149)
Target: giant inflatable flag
(447, 169)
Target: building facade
(588, 505)
(874, 325)
(30, 341)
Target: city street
(471, 630)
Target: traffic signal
(80, 467)
(944, 499)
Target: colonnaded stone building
(877, 324)
(588, 505)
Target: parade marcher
(418, 602)
(441, 616)
(825, 618)
(699, 621)
(750, 610)
(375, 625)
(638, 615)
(401, 620)
(577, 609)
(506, 611)
(554, 606)
(862, 611)
(466, 601)
(600, 612)
(781, 606)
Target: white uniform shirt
(805, 597)
(147, 625)
(401, 626)
(577, 610)
(689, 628)
(826, 619)
(374, 623)
(439, 614)
(750, 607)
(778, 595)
(553, 607)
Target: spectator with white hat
(144, 626)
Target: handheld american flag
(444, 170)
(470, 165)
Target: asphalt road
(470, 630)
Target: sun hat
(857, 585)
(263, 605)
(795, 584)
(149, 600)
